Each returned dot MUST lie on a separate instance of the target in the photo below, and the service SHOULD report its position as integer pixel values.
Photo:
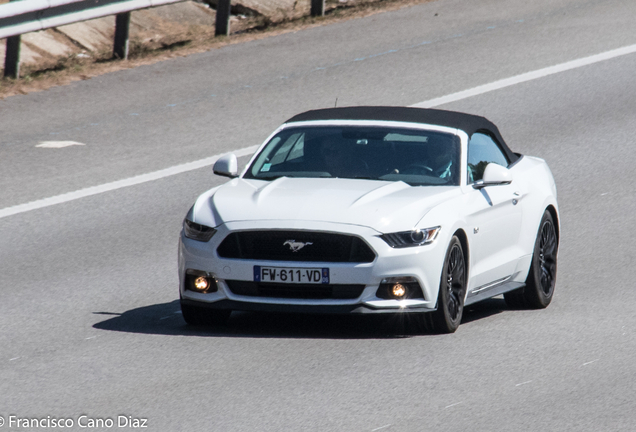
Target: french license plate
(291, 275)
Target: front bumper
(291, 308)
(424, 263)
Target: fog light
(201, 283)
(399, 290)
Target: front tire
(452, 290)
(198, 316)
(539, 289)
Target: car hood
(383, 206)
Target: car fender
(203, 212)
(539, 194)
(449, 217)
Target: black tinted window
(482, 150)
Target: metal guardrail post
(12, 57)
(317, 7)
(122, 27)
(222, 25)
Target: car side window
(482, 150)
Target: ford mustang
(373, 210)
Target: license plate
(291, 275)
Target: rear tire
(452, 290)
(539, 289)
(198, 316)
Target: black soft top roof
(467, 122)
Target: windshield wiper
(272, 177)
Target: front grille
(297, 291)
(279, 245)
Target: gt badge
(296, 246)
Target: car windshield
(416, 157)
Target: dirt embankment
(83, 50)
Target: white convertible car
(373, 210)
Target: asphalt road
(88, 288)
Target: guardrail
(24, 16)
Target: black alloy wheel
(452, 290)
(547, 257)
(539, 289)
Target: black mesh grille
(299, 291)
(278, 246)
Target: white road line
(144, 178)
(58, 144)
(14, 358)
(455, 404)
(132, 181)
(523, 383)
(590, 362)
(381, 427)
(529, 76)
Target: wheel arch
(557, 222)
(463, 240)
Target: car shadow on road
(484, 309)
(166, 319)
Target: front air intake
(295, 246)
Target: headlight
(195, 231)
(416, 237)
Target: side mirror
(494, 175)
(226, 166)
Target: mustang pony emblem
(296, 246)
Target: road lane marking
(58, 144)
(14, 358)
(178, 169)
(381, 427)
(455, 404)
(590, 362)
(523, 383)
(107, 187)
(528, 76)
